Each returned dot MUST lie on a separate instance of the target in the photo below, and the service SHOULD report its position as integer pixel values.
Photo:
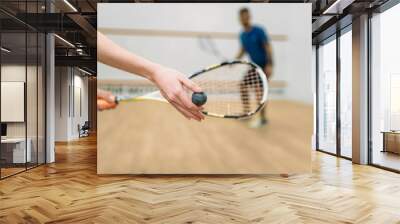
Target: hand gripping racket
(235, 89)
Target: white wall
(12, 73)
(68, 83)
(80, 100)
(12, 101)
(292, 57)
(61, 103)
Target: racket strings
(232, 90)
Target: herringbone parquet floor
(69, 191)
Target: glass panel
(314, 78)
(41, 98)
(32, 88)
(346, 94)
(327, 97)
(12, 7)
(13, 86)
(23, 90)
(31, 100)
(386, 89)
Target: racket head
(236, 89)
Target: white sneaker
(258, 123)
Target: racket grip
(199, 98)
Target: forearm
(240, 54)
(270, 58)
(172, 84)
(111, 54)
(270, 62)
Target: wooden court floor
(70, 191)
(153, 138)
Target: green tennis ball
(199, 98)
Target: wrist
(152, 71)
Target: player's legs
(244, 94)
(260, 118)
(262, 112)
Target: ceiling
(76, 22)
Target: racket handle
(199, 98)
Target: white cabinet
(19, 155)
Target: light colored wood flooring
(150, 137)
(70, 191)
(10, 171)
(5, 172)
(386, 159)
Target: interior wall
(17, 73)
(185, 53)
(71, 102)
(80, 103)
(62, 81)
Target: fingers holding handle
(105, 100)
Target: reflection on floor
(70, 191)
(387, 159)
(12, 169)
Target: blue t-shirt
(253, 42)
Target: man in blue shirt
(255, 42)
